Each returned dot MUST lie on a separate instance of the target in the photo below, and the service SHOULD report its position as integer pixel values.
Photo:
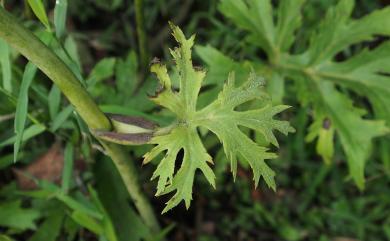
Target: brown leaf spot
(344, 239)
(326, 124)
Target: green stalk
(38, 53)
(129, 173)
(142, 44)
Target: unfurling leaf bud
(127, 130)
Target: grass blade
(4, 237)
(68, 167)
(61, 118)
(29, 133)
(71, 49)
(22, 106)
(87, 222)
(54, 101)
(50, 229)
(79, 207)
(108, 227)
(5, 161)
(5, 65)
(39, 11)
(60, 17)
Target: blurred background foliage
(63, 188)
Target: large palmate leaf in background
(220, 117)
(14, 216)
(322, 82)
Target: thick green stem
(33, 49)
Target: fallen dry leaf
(344, 239)
(47, 167)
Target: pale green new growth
(220, 117)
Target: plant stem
(129, 173)
(38, 53)
(33, 49)
(142, 44)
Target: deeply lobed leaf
(220, 117)
(318, 76)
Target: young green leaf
(324, 130)
(220, 117)
(40, 12)
(101, 71)
(22, 105)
